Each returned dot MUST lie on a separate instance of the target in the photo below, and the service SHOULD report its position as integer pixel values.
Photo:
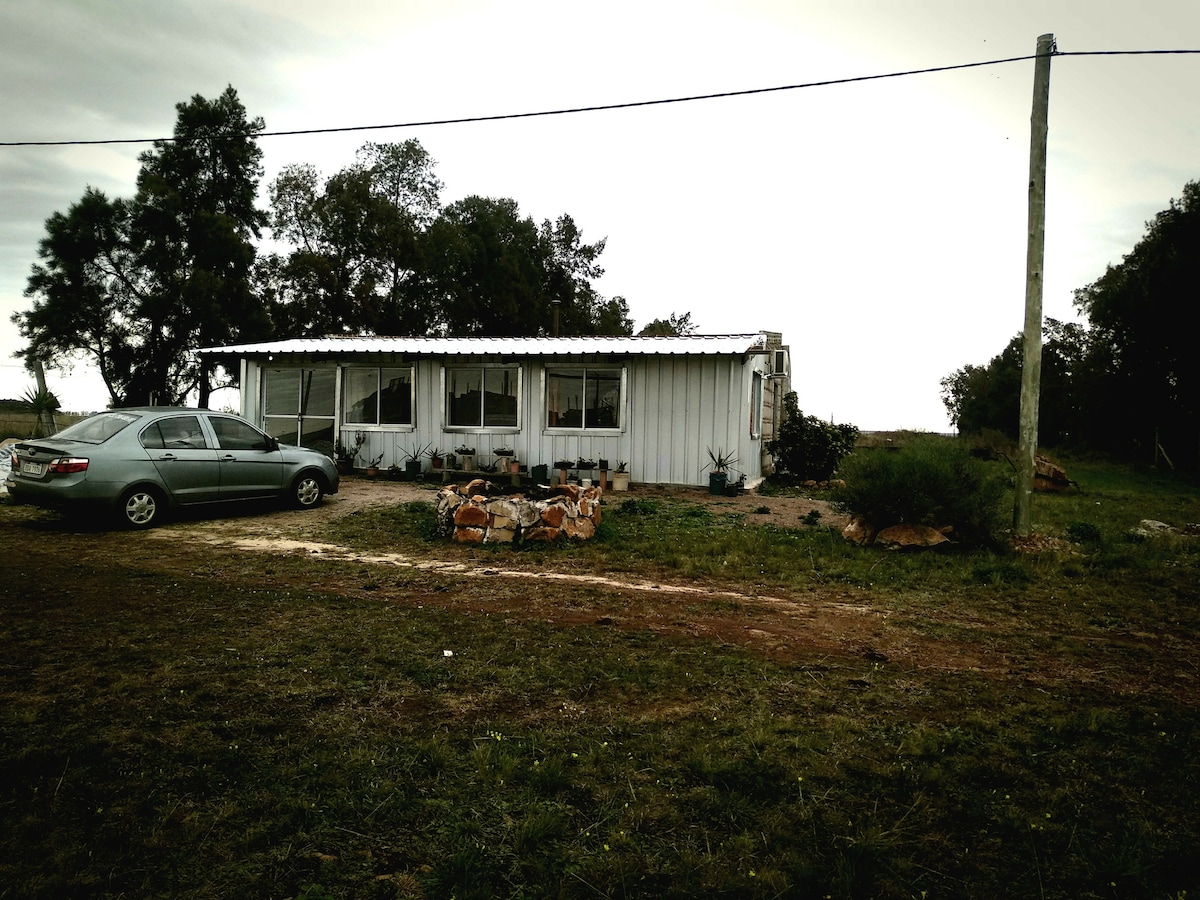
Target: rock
(467, 514)
(1049, 476)
(910, 537)
(1150, 528)
(1154, 525)
(859, 531)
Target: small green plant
(720, 461)
(634, 507)
(1084, 533)
(415, 452)
(812, 518)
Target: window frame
(346, 422)
(549, 371)
(482, 369)
(306, 423)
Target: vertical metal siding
(674, 408)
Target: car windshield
(98, 428)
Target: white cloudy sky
(880, 226)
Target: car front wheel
(141, 507)
(307, 491)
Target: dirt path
(829, 625)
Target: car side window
(235, 435)
(175, 433)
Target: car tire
(307, 491)
(141, 507)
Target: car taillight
(68, 465)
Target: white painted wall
(674, 408)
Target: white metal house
(657, 403)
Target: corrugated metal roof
(715, 344)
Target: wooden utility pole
(1031, 369)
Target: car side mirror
(272, 444)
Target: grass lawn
(184, 720)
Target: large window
(583, 398)
(381, 396)
(484, 396)
(297, 405)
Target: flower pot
(620, 481)
(412, 468)
(466, 462)
(716, 483)
(436, 462)
(345, 466)
(371, 471)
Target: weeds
(196, 727)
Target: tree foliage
(135, 285)
(1126, 379)
(674, 325)
(807, 447)
(374, 252)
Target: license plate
(34, 469)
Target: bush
(929, 481)
(808, 448)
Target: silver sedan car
(137, 462)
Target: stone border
(475, 513)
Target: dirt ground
(829, 624)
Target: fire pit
(479, 513)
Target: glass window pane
(361, 388)
(500, 397)
(603, 399)
(564, 399)
(463, 396)
(320, 388)
(235, 435)
(283, 429)
(395, 396)
(281, 392)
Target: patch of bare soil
(825, 622)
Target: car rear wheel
(307, 491)
(141, 507)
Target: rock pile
(475, 513)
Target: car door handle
(228, 457)
(168, 456)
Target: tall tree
(355, 260)
(1130, 379)
(136, 285)
(1146, 360)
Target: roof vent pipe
(555, 304)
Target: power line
(614, 106)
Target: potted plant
(466, 457)
(412, 460)
(718, 473)
(435, 457)
(371, 469)
(620, 477)
(346, 455)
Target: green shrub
(929, 481)
(1083, 533)
(808, 448)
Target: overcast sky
(879, 225)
